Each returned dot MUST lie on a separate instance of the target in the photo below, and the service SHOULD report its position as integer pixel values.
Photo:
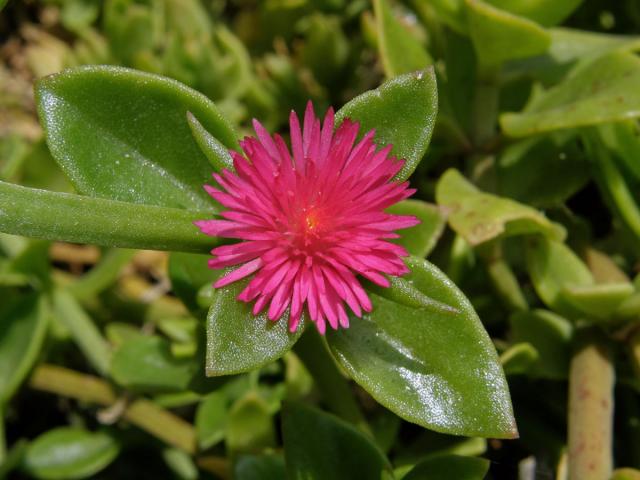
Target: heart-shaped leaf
(596, 91)
(238, 341)
(68, 453)
(403, 113)
(422, 238)
(478, 216)
(417, 362)
(123, 134)
(319, 445)
(400, 51)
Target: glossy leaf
(402, 111)
(250, 427)
(478, 216)
(238, 341)
(145, 363)
(74, 218)
(122, 134)
(23, 324)
(544, 12)
(598, 301)
(211, 419)
(596, 91)
(67, 453)
(445, 467)
(552, 267)
(400, 51)
(550, 335)
(416, 362)
(319, 445)
(499, 36)
(259, 467)
(215, 151)
(422, 238)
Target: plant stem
(591, 382)
(141, 412)
(333, 385)
(485, 109)
(504, 281)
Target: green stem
(75, 218)
(143, 413)
(333, 385)
(83, 330)
(102, 275)
(504, 281)
(485, 110)
(591, 383)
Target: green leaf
(518, 358)
(598, 301)
(188, 273)
(67, 453)
(416, 363)
(550, 335)
(211, 419)
(499, 36)
(23, 324)
(319, 445)
(544, 12)
(259, 467)
(74, 218)
(145, 363)
(238, 341)
(552, 267)
(400, 51)
(422, 238)
(217, 154)
(250, 426)
(625, 474)
(445, 467)
(478, 216)
(122, 134)
(622, 138)
(596, 91)
(402, 111)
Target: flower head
(310, 220)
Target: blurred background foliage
(132, 400)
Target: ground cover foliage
(511, 349)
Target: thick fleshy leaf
(23, 324)
(544, 12)
(622, 138)
(259, 467)
(446, 467)
(67, 453)
(238, 341)
(215, 151)
(550, 335)
(552, 267)
(400, 51)
(146, 363)
(75, 218)
(250, 426)
(416, 362)
(499, 36)
(422, 238)
(598, 301)
(596, 91)
(122, 134)
(402, 111)
(519, 358)
(319, 445)
(211, 419)
(478, 216)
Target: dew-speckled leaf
(478, 216)
(123, 134)
(23, 324)
(448, 467)
(400, 51)
(67, 453)
(553, 266)
(596, 91)
(145, 363)
(499, 36)
(544, 12)
(403, 113)
(437, 369)
(422, 238)
(598, 301)
(215, 151)
(550, 335)
(238, 341)
(318, 445)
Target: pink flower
(309, 223)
